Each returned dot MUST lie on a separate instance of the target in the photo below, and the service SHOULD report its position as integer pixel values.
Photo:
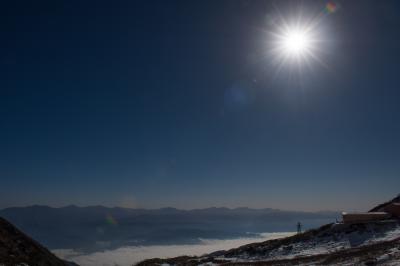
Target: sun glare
(295, 42)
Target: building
(364, 217)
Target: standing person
(298, 227)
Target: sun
(296, 42)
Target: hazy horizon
(346, 207)
(161, 208)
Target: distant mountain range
(97, 227)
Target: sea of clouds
(127, 256)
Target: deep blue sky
(174, 103)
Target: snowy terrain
(339, 237)
(333, 244)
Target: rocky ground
(16, 248)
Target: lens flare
(111, 220)
(331, 7)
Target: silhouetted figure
(298, 227)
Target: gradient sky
(174, 103)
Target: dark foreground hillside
(16, 248)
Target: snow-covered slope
(327, 239)
(332, 242)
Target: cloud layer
(126, 256)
